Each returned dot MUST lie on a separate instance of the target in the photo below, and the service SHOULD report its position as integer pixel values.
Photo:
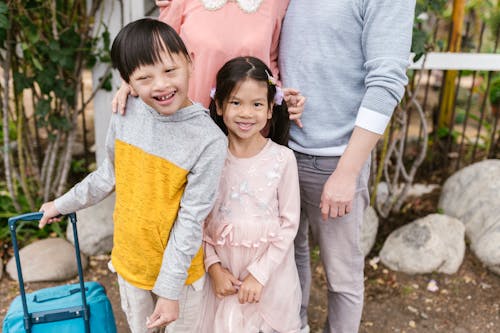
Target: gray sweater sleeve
(96, 186)
(186, 235)
(386, 40)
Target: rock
(434, 243)
(51, 259)
(95, 228)
(369, 230)
(472, 196)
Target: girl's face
(164, 85)
(246, 111)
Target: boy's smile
(163, 85)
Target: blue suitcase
(62, 309)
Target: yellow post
(451, 76)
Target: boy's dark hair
(235, 71)
(141, 43)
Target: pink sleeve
(280, 15)
(289, 210)
(211, 256)
(172, 14)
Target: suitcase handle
(36, 216)
(41, 297)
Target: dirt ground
(465, 302)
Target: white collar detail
(248, 6)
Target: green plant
(45, 46)
(494, 94)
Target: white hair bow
(248, 6)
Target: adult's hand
(163, 3)
(120, 99)
(295, 103)
(338, 194)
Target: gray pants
(338, 241)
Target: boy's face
(164, 85)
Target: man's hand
(49, 214)
(166, 311)
(250, 290)
(295, 103)
(224, 283)
(338, 194)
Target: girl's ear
(218, 109)
(270, 111)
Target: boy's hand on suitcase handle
(50, 214)
(166, 311)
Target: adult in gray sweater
(349, 57)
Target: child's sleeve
(186, 234)
(172, 14)
(97, 185)
(210, 254)
(289, 210)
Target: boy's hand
(166, 311)
(250, 290)
(224, 283)
(295, 103)
(120, 99)
(49, 214)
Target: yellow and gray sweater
(165, 171)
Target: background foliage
(45, 47)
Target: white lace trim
(248, 6)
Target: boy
(163, 160)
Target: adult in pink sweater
(216, 31)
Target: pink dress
(215, 35)
(251, 230)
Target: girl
(248, 237)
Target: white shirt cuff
(372, 121)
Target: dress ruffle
(225, 236)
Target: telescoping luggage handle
(54, 315)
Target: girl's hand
(295, 103)
(49, 214)
(163, 3)
(120, 99)
(250, 290)
(224, 283)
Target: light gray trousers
(339, 243)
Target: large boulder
(51, 259)
(473, 196)
(369, 230)
(434, 243)
(95, 228)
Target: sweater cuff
(372, 121)
(63, 205)
(170, 287)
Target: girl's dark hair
(235, 71)
(141, 43)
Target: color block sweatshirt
(349, 58)
(165, 171)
